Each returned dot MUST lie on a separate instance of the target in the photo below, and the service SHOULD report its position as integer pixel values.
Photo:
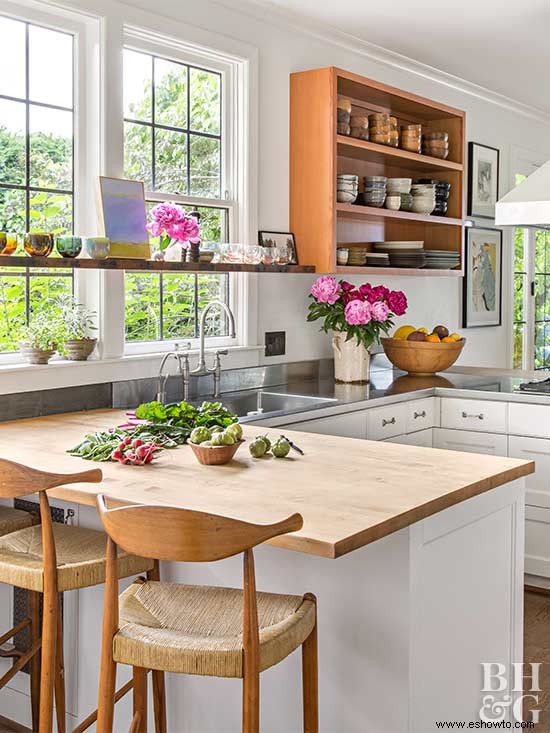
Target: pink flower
(326, 290)
(397, 302)
(352, 295)
(379, 311)
(380, 292)
(346, 286)
(366, 291)
(358, 312)
(164, 218)
(186, 230)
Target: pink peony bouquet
(363, 313)
(173, 225)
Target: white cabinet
(538, 483)
(482, 415)
(470, 441)
(422, 438)
(348, 425)
(529, 419)
(422, 414)
(537, 541)
(386, 422)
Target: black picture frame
(272, 239)
(474, 209)
(468, 320)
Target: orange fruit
(448, 340)
(433, 338)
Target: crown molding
(266, 11)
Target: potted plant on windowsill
(357, 317)
(78, 324)
(41, 338)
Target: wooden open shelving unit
(138, 265)
(318, 154)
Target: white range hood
(527, 205)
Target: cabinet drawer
(482, 415)
(421, 414)
(422, 438)
(537, 541)
(385, 422)
(468, 441)
(349, 425)
(529, 419)
(537, 484)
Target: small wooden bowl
(421, 357)
(215, 455)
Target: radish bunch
(135, 452)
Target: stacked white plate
(441, 259)
(403, 254)
(378, 259)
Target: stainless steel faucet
(183, 368)
(201, 369)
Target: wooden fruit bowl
(421, 357)
(215, 455)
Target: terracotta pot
(35, 356)
(80, 349)
(351, 360)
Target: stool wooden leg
(159, 701)
(140, 698)
(34, 614)
(60, 673)
(47, 677)
(309, 682)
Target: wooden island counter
(428, 584)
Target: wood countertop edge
(334, 550)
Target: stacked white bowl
(347, 187)
(394, 188)
(423, 201)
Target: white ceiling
(503, 45)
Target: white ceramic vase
(351, 360)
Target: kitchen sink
(258, 402)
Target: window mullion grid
(153, 128)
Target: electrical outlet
(275, 343)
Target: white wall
(283, 299)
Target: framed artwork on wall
(482, 295)
(280, 239)
(483, 171)
(123, 217)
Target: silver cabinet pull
(479, 416)
(388, 422)
(419, 414)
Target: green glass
(68, 246)
(38, 244)
(8, 243)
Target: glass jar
(252, 254)
(8, 243)
(38, 244)
(68, 246)
(269, 255)
(97, 248)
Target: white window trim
(100, 26)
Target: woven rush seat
(80, 558)
(198, 629)
(13, 519)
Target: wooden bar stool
(221, 632)
(48, 559)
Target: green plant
(45, 332)
(78, 320)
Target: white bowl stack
(423, 201)
(347, 187)
(394, 188)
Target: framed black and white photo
(482, 180)
(280, 239)
(482, 297)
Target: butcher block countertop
(350, 492)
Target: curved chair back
(183, 535)
(18, 480)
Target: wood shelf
(350, 147)
(362, 212)
(138, 265)
(399, 271)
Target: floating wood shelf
(362, 212)
(318, 154)
(137, 265)
(399, 271)
(349, 147)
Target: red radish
(121, 446)
(136, 442)
(116, 455)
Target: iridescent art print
(482, 278)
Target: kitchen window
(175, 134)
(37, 139)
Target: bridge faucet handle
(186, 345)
(222, 352)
